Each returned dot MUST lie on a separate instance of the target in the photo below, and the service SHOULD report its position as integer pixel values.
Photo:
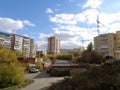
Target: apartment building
(5, 40)
(108, 44)
(33, 48)
(117, 45)
(18, 43)
(53, 45)
(23, 44)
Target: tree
(39, 64)
(65, 56)
(90, 47)
(11, 72)
(52, 57)
(20, 54)
(91, 56)
(45, 57)
(80, 50)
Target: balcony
(104, 46)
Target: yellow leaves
(7, 55)
(39, 64)
(11, 72)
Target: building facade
(108, 44)
(18, 43)
(33, 48)
(24, 44)
(5, 40)
(53, 45)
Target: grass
(17, 87)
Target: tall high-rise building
(23, 44)
(18, 43)
(33, 48)
(108, 44)
(53, 45)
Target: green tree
(11, 72)
(90, 47)
(39, 64)
(65, 56)
(45, 57)
(52, 57)
(91, 56)
(20, 54)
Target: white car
(33, 70)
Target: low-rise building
(108, 44)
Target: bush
(10, 74)
(56, 72)
(106, 77)
(65, 56)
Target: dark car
(49, 70)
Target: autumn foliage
(11, 72)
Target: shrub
(10, 74)
(57, 72)
(106, 77)
(64, 56)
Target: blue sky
(70, 20)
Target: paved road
(41, 81)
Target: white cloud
(69, 44)
(65, 35)
(63, 19)
(73, 28)
(42, 45)
(69, 29)
(88, 16)
(28, 23)
(9, 25)
(49, 10)
(92, 4)
(43, 36)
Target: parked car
(49, 70)
(33, 70)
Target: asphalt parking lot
(41, 81)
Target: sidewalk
(41, 82)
